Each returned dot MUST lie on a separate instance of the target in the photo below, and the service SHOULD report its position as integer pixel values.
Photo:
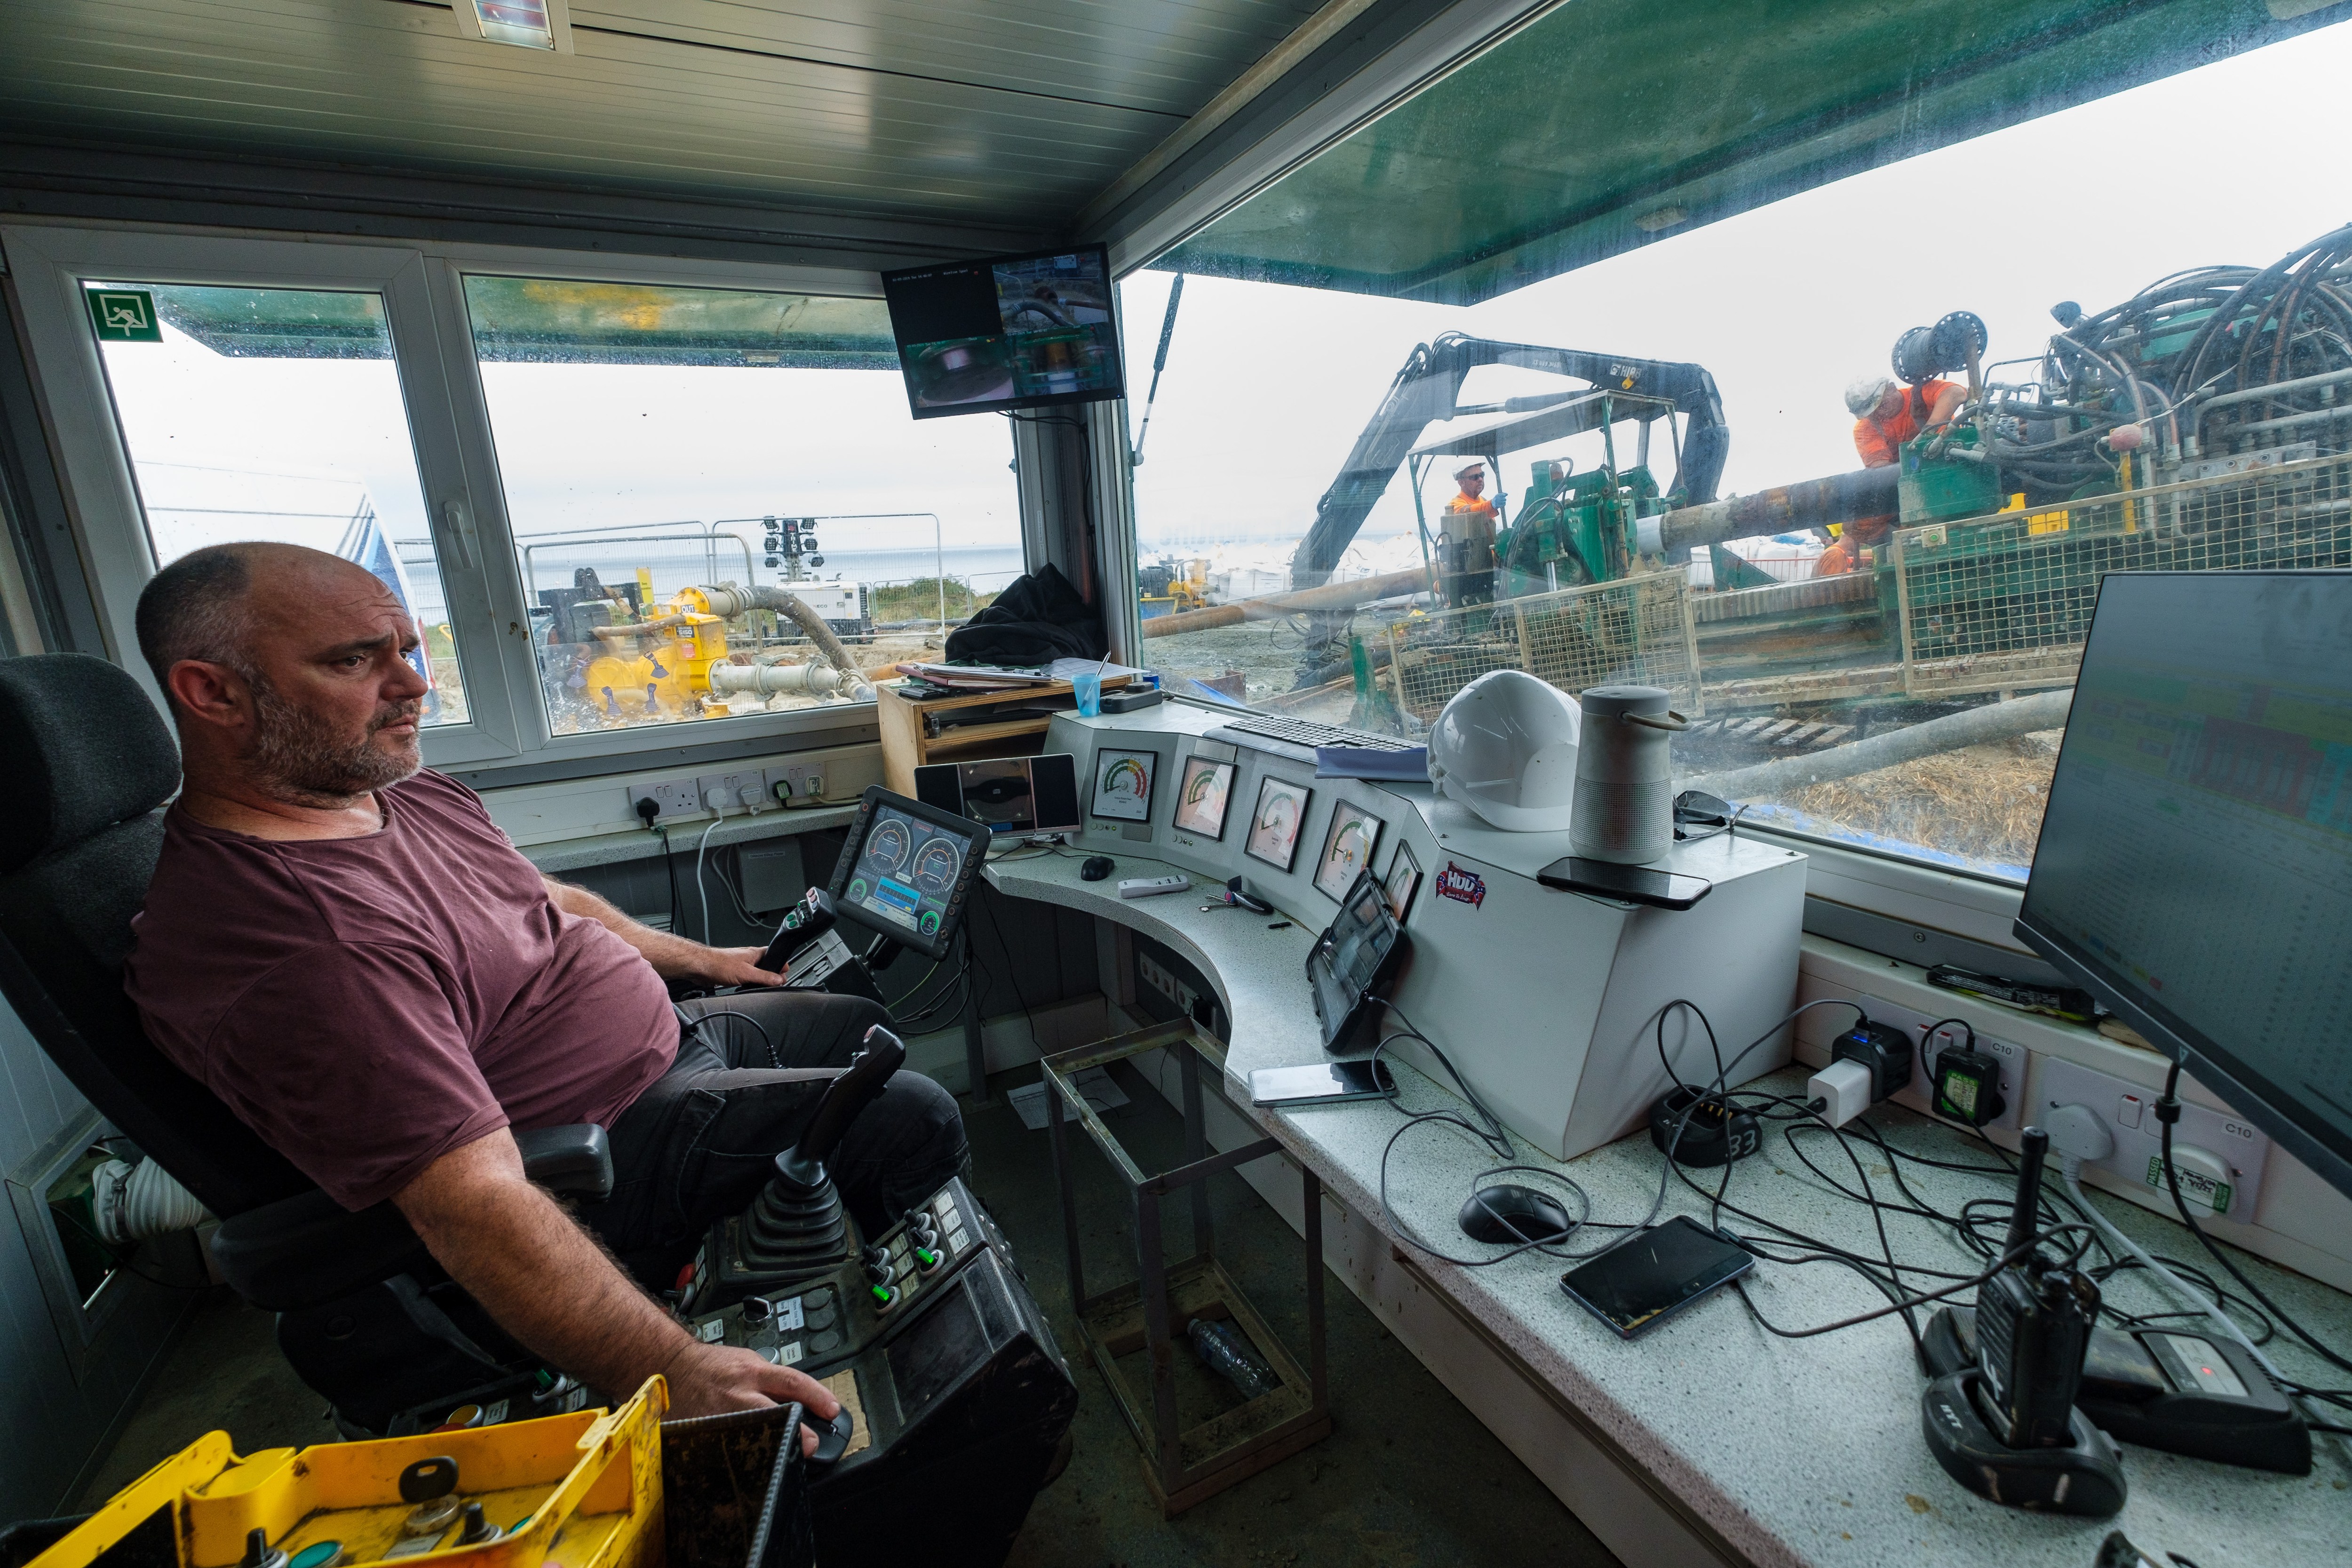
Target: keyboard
(1298, 738)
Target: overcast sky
(1267, 386)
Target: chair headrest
(85, 749)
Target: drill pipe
(1844, 498)
(1330, 597)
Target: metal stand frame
(1183, 1467)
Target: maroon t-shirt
(368, 1004)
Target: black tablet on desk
(1352, 961)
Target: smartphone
(1632, 884)
(1321, 1083)
(1653, 1274)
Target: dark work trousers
(701, 1141)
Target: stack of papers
(1010, 678)
(1408, 767)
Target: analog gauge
(935, 866)
(887, 845)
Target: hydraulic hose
(727, 600)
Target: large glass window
(1828, 470)
(719, 496)
(275, 413)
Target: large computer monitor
(2195, 866)
(1009, 332)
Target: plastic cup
(1087, 685)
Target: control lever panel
(822, 1321)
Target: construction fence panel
(2005, 600)
(1637, 630)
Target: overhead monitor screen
(1013, 332)
(905, 873)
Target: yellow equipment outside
(579, 1491)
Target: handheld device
(2033, 1325)
(1321, 1083)
(1653, 1274)
(1627, 884)
(1352, 959)
(906, 871)
(1151, 887)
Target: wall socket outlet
(2129, 1111)
(677, 797)
(1164, 981)
(732, 786)
(1920, 1093)
(806, 782)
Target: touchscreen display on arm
(906, 872)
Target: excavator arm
(1428, 389)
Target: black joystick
(796, 1229)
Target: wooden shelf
(906, 746)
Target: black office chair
(364, 1315)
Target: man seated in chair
(344, 948)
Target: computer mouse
(832, 1437)
(1513, 1216)
(1097, 867)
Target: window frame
(423, 286)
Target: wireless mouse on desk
(1097, 867)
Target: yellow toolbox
(579, 1491)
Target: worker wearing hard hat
(1469, 552)
(1887, 415)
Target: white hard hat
(1506, 748)
(1467, 469)
(1863, 395)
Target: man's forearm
(671, 955)
(549, 1285)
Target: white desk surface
(1795, 1451)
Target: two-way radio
(2007, 1428)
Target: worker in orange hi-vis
(1467, 556)
(1887, 415)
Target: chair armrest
(576, 1159)
(308, 1250)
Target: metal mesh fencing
(2004, 601)
(1636, 630)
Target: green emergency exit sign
(124, 315)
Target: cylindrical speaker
(1624, 776)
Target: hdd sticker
(1462, 887)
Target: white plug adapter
(719, 800)
(754, 798)
(1844, 1087)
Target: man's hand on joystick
(706, 1380)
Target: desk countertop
(1802, 1451)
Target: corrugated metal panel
(1015, 111)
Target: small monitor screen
(1013, 332)
(904, 873)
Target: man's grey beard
(297, 757)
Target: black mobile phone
(1653, 1274)
(1632, 884)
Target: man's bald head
(202, 607)
(288, 671)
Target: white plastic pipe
(811, 680)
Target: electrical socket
(677, 797)
(1920, 1093)
(2129, 1111)
(806, 780)
(732, 786)
(1164, 981)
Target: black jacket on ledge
(1037, 618)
